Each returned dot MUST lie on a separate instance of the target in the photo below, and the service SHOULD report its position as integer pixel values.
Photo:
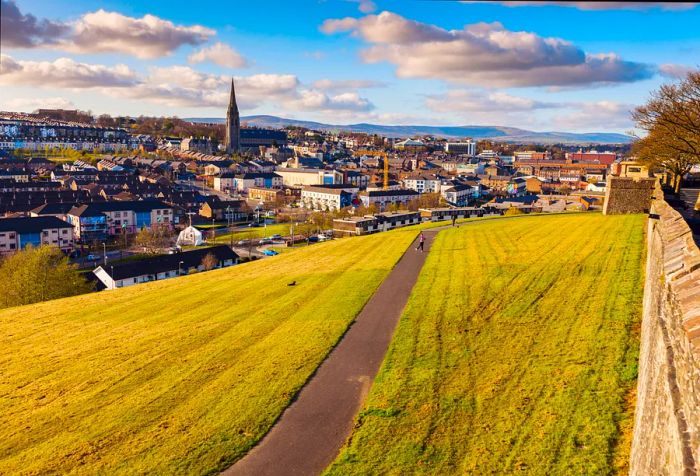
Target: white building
(327, 197)
(422, 183)
(596, 187)
(384, 198)
(296, 177)
(163, 267)
(467, 148)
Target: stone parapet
(666, 436)
(628, 195)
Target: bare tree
(671, 118)
(209, 261)
(155, 238)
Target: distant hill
(504, 134)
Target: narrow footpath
(309, 434)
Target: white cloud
(482, 54)
(675, 71)
(63, 73)
(145, 37)
(478, 101)
(181, 86)
(366, 6)
(219, 53)
(603, 5)
(345, 84)
(595, 116)
(32, 104)
(100, 32)
(18, 30)
(314, 100)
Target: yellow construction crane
(382, 154)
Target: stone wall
(628, 195)
(666, 436)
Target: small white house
(163, 267)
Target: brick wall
(628, 195)
(666, 436)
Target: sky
(545, 66)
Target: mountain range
(497, 133)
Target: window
(117, 214)
(45, 233)
(12, 246)
(64, 232)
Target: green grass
(516, 353)
(254, 232)
(179, 376)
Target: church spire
(233, 124)
(232, 99)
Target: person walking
(421, 242)
(454, 220)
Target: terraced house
(98, 221)
(18, 233)
(384, 198)
(328, 197)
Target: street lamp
(179, 271)
(104, 252)
(114, 281)
(229, 221)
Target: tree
(512, 211)
(672, 121)
(321, 220)
(154, 239)
(38, 274)
(209, 262)
(660, 150)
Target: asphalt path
(310, 432)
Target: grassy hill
(179, 376)
(517, 352)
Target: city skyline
(577, 67)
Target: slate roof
(163, 263)
(96, 209)
(32, 224)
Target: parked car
(312, 239)
(92, 257)
(269, 252)
(266, 241)
(322, 237)
(276, 237)
(242, 242)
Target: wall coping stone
(681, 264)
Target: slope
(517, 352)
(179, 376)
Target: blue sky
(543, 67)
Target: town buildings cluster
(142, 182)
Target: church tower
(233, 124)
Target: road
(311, 431)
